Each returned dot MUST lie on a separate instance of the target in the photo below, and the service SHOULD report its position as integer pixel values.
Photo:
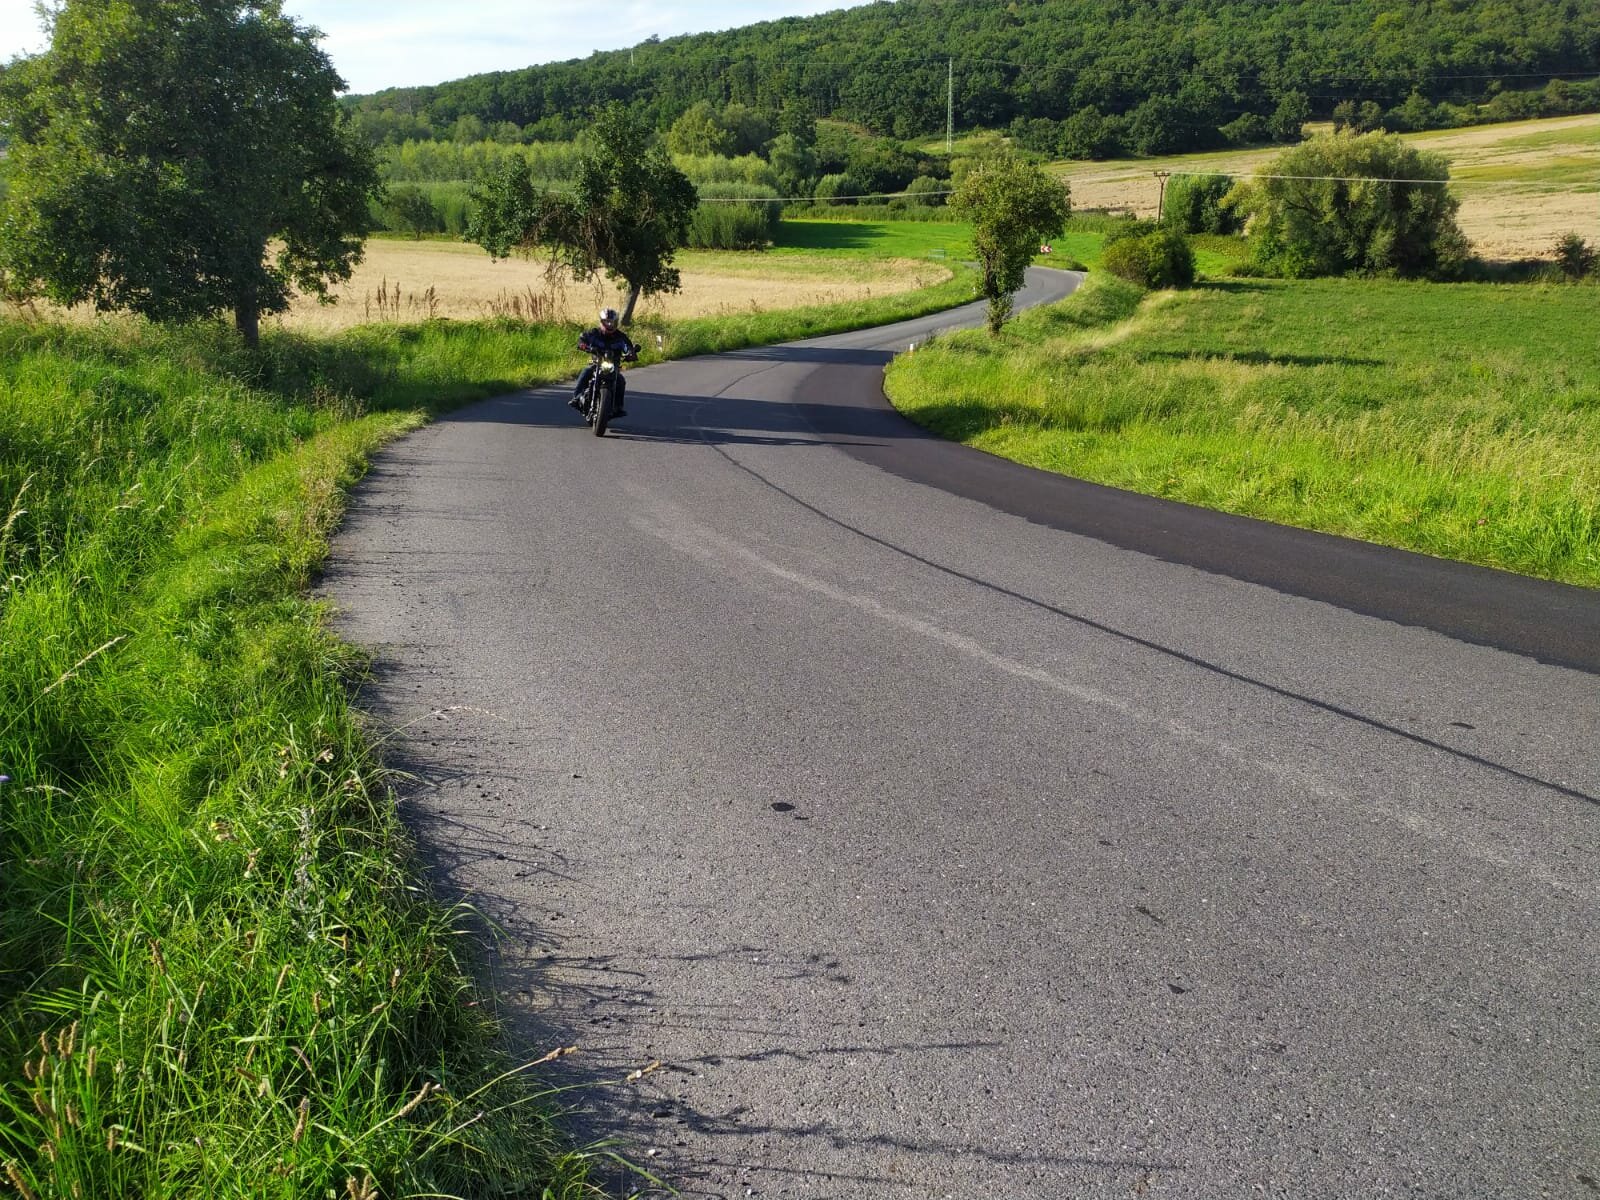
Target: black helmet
(608, 319)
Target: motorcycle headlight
(607, 367)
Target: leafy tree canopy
(1355, 203)
(883, 67)
(1195, 204)
(180, 159)
(1013, 206)
(627, 213)
(699, 132)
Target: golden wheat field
(411, 281)
(1522, 185)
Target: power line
(1316, 178)
(1185, 174)
(816, 199)
(826, 200)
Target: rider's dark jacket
(598, 341)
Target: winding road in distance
(947, 829)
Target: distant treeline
(1085, 78)
(429, 184)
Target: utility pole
(1161, 203)
(950, 112)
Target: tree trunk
(633, 298)
(247, 320)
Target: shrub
(1251, 129)
(928, 192)
(871, 212)
(749, 224)
(1575, 257)
(1345, 203)
(1194, 204)
(1124, 228)
(1160, 259)
(831, 187)
(1418, 112)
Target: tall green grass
(218, 973)
(1458, 420)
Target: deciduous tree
(180, 159)
(408, 209)
(795, 165)
(1013, 206)
(885, 68)
(627, 214)
(699, 132)
(1289, 118)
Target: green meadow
(1459, 420)
(874, 239)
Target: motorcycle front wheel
(601, 416)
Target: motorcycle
(600, 397)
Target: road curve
(945, 829)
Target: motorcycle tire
(601, 416)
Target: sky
(401, 43)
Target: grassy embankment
(218, 976)
(1459, 420)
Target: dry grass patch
(411, 281)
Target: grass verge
(1456, 420)
(711, 335)
(218, 975)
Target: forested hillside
(1070, 76)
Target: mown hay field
(1522, 185)
(409, 281)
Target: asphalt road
(944, 829)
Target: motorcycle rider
(606, 339)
